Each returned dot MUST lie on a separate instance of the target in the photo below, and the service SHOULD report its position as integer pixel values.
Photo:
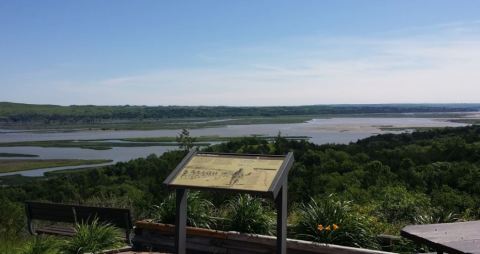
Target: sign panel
(247, 173)
(259, 174)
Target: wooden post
(281, 204)
(181, 221)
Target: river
(320, 131)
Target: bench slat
(119, 217)
(66, 231)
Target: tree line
(26, 113)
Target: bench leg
(127, 236)
(29, 220)
(30, 228)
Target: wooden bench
(65, 213)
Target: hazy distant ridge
(18, 112)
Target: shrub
(93, 237)
(399, 205)
(331, 221)
(9, 245)
(437, 215)
(11, 218)
(199, 211)
(41, 245)
(249, 215)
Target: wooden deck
(142, 252)
(455, 238)
(128, 250)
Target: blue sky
(115, 52)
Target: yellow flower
(335, 227)
(320, 227)
(327, 228)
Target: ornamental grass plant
(93, 237)
(200, 211)
(328, 220)
(247, 214)
(41, 245)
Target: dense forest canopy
(17, 112)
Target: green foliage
(41, 245)
(247, 214)
(10, 245)
(93, 237)
(185, 141)
(199, 211)
(11, 218)
(390, 180)
(436, 216)
(397, 204)
(332, 221)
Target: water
(42, 171)
(350, 129)
(116, 154)
(321, 131)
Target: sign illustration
(252, 173)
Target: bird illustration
(236, 176)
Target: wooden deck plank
(459, 237)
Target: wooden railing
(157, 236)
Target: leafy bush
(249, 215)
(199, 211)
(397, 204)
(93, 237)
(8, 246)
(11, 218)
(41, 245)
(437, 216)
(331, 221)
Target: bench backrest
(119, 217)
(50, 212)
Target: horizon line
(256, 106)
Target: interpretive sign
(258, 174)
(235, 172)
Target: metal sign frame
(277, 191)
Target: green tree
(185, 141)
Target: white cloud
(440, 66)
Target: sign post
(281, 205)
(181, 221)
(264, 175)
